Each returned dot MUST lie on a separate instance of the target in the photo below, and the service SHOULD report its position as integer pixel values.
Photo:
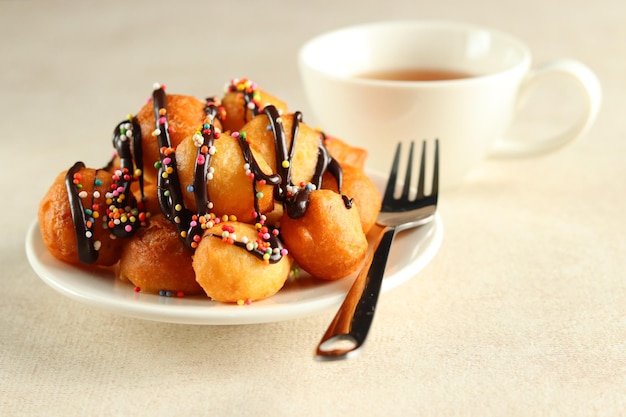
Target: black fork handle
(348, 330)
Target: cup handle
(592, 92)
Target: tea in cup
(375, 84)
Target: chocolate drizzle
(169, 190)
(130, 162)
(190, 225)
(295, 199)
(203, 158)
(123, 215)
(258, 173)
(250, 94)
(282, 153)
(83, 223)
(168, 186)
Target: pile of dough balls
(224, 197)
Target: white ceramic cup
(470, 116)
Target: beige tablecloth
(521, 313)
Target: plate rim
(168, 309)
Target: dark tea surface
(415, 74)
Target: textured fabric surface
(521, 313)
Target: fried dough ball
(185, 114)
(306, 151)
(230, 273)
(273, 217)
(155, 259)
(230, 189)
(57, 226)
(328, 241)
(344, 153)
(149, 199)
(237, 111)
(359, 187)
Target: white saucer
(411, 252)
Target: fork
(348, 330)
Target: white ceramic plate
(411, 252)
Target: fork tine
(420, 181)
(393, 175)
(407, 176)
(435, 186)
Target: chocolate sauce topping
(248, 157)
(298, 204)
(125, 133)
(123, 216)
(249, 94)
(296, 199)
(87, 252)
(127, 143)
(169, 188)
(203, 159)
